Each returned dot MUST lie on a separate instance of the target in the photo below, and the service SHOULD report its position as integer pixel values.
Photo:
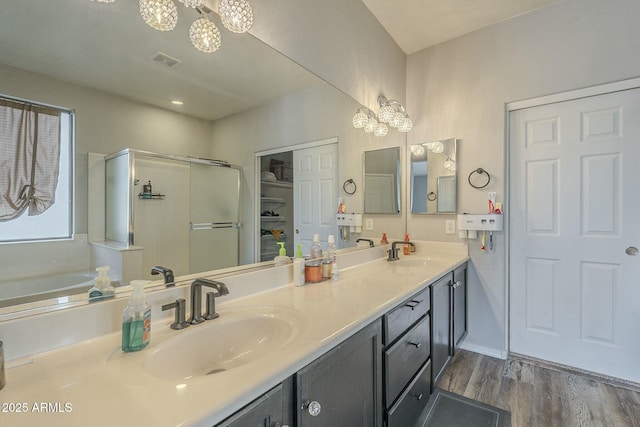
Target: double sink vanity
(366, 349)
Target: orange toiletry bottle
(384, 240)
(406, 249)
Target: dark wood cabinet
(440, 326)
(407, 369)
(344, 386)
(458, 307)
(273, 409)
(386, 371)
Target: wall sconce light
(391, 113)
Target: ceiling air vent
(163, 58)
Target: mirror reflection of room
(433, 181)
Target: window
(56, 221)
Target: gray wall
(338, 40)
(311, 115)
(460, 88)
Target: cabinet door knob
(313, 407)
(417, 396)
(631, 251)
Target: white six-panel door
(575, 213)
(315, 193)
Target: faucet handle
(180, 314)
(211, 306)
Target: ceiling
(418, 24)
(109, 47)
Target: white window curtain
(29, 158)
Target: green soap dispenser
(136, 320)
(282, 258)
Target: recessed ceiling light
(177, 102)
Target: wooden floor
(539, 396)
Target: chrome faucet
(393, 252)
(169, 280)
(196, 299)
(365, 240)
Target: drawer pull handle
(417, 344)
(413, 304)
(417, 396)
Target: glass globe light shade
(236, 15)
(386, 113)
(204, 35)
(438, 147)
(417, 149)
(159, 14)
(448, 164)
(192, 3)
(360, 119)
(381, 130)
(397, 120)
(406, 125)
(371, 126)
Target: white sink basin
(238, 337)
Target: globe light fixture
(161, 15)
(236, 15)
(204, 35)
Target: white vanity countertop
(94, 383)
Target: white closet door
(575, 211)
(315, 186)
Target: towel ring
(479, 171)
(431, 196)
(349, 182)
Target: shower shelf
(151, 197)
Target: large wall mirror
(382, 181)
(119, 75)
(433, 177)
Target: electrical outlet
(368, 224)
(450, 226)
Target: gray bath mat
(451, 410)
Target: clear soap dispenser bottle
(136, 320)
(102, 288)
(316, 248)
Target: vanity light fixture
(391, 113)
(394, 113)
(236, 15)
(162, 15)
(449, 164)
(417, 150)
(204, 35)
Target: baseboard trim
(614, 381)
(487, 351)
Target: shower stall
(183, 211)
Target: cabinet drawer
(405, 357)
(413, 401)
(402, 317)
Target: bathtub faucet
(169, 280)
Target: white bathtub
(40, 285)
